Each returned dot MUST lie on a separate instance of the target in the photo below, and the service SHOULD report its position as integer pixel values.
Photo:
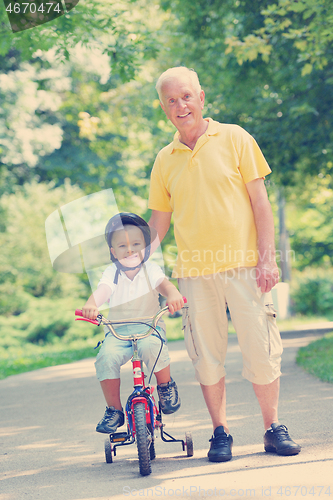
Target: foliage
(288, 114)
(312, 292)
(107, 141)
(121, 28)
(70, 121)
(28, 124)
(310, 215)
(67, 112)
(25, 267)
(317, 358)
(307, 23)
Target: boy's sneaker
(111, 421)
(277, 440)
(168, 396)
(220, 446)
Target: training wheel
(108, 451)
(189, 444)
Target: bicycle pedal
(118, 437)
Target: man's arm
(267, 270)
(160, 221)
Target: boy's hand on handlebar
(90, 311)
(174, 301)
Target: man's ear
(202, 98)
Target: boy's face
(128, 246)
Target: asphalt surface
(50, 450)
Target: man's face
(128, 246)
(182, 104)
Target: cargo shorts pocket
(188, 335)
(274, 338)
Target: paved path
(50, 451)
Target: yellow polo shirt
(205, 189)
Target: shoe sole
(285, 453)
(226, 458)
(102, 430)
(170, 412)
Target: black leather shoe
(220, 446)
(277, 440)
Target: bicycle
(142, 414)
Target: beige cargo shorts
(252, 313)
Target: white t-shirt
(135, 298)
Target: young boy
(132, 286)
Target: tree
(289, 114)
(122, 29)
(96, 138)
(310, 214)
(25, 266)
(307, 23)
(28, 125)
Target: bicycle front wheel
(142, 438)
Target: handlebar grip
(78, 312)
(184, 299)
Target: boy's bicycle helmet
(118, 222)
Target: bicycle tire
(152, 451)
(142, 443)
(189, 444)
(108, 451)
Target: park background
(79, 114)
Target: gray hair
(171, 73)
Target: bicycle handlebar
(100, 319)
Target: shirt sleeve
(252, 163)
(108, 277)
(159, 197)
(155, 274)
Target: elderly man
(211, 178)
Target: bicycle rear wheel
(142, 438)
(152, 451)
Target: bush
(44, 330)
(25, 265)
(312, 292)
(45, 322)
(12, 299)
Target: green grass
(317, 358)
(20, 360)
(18, 356)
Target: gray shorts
(252, 313)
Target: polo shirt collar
(212, 129)
(140, 274)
